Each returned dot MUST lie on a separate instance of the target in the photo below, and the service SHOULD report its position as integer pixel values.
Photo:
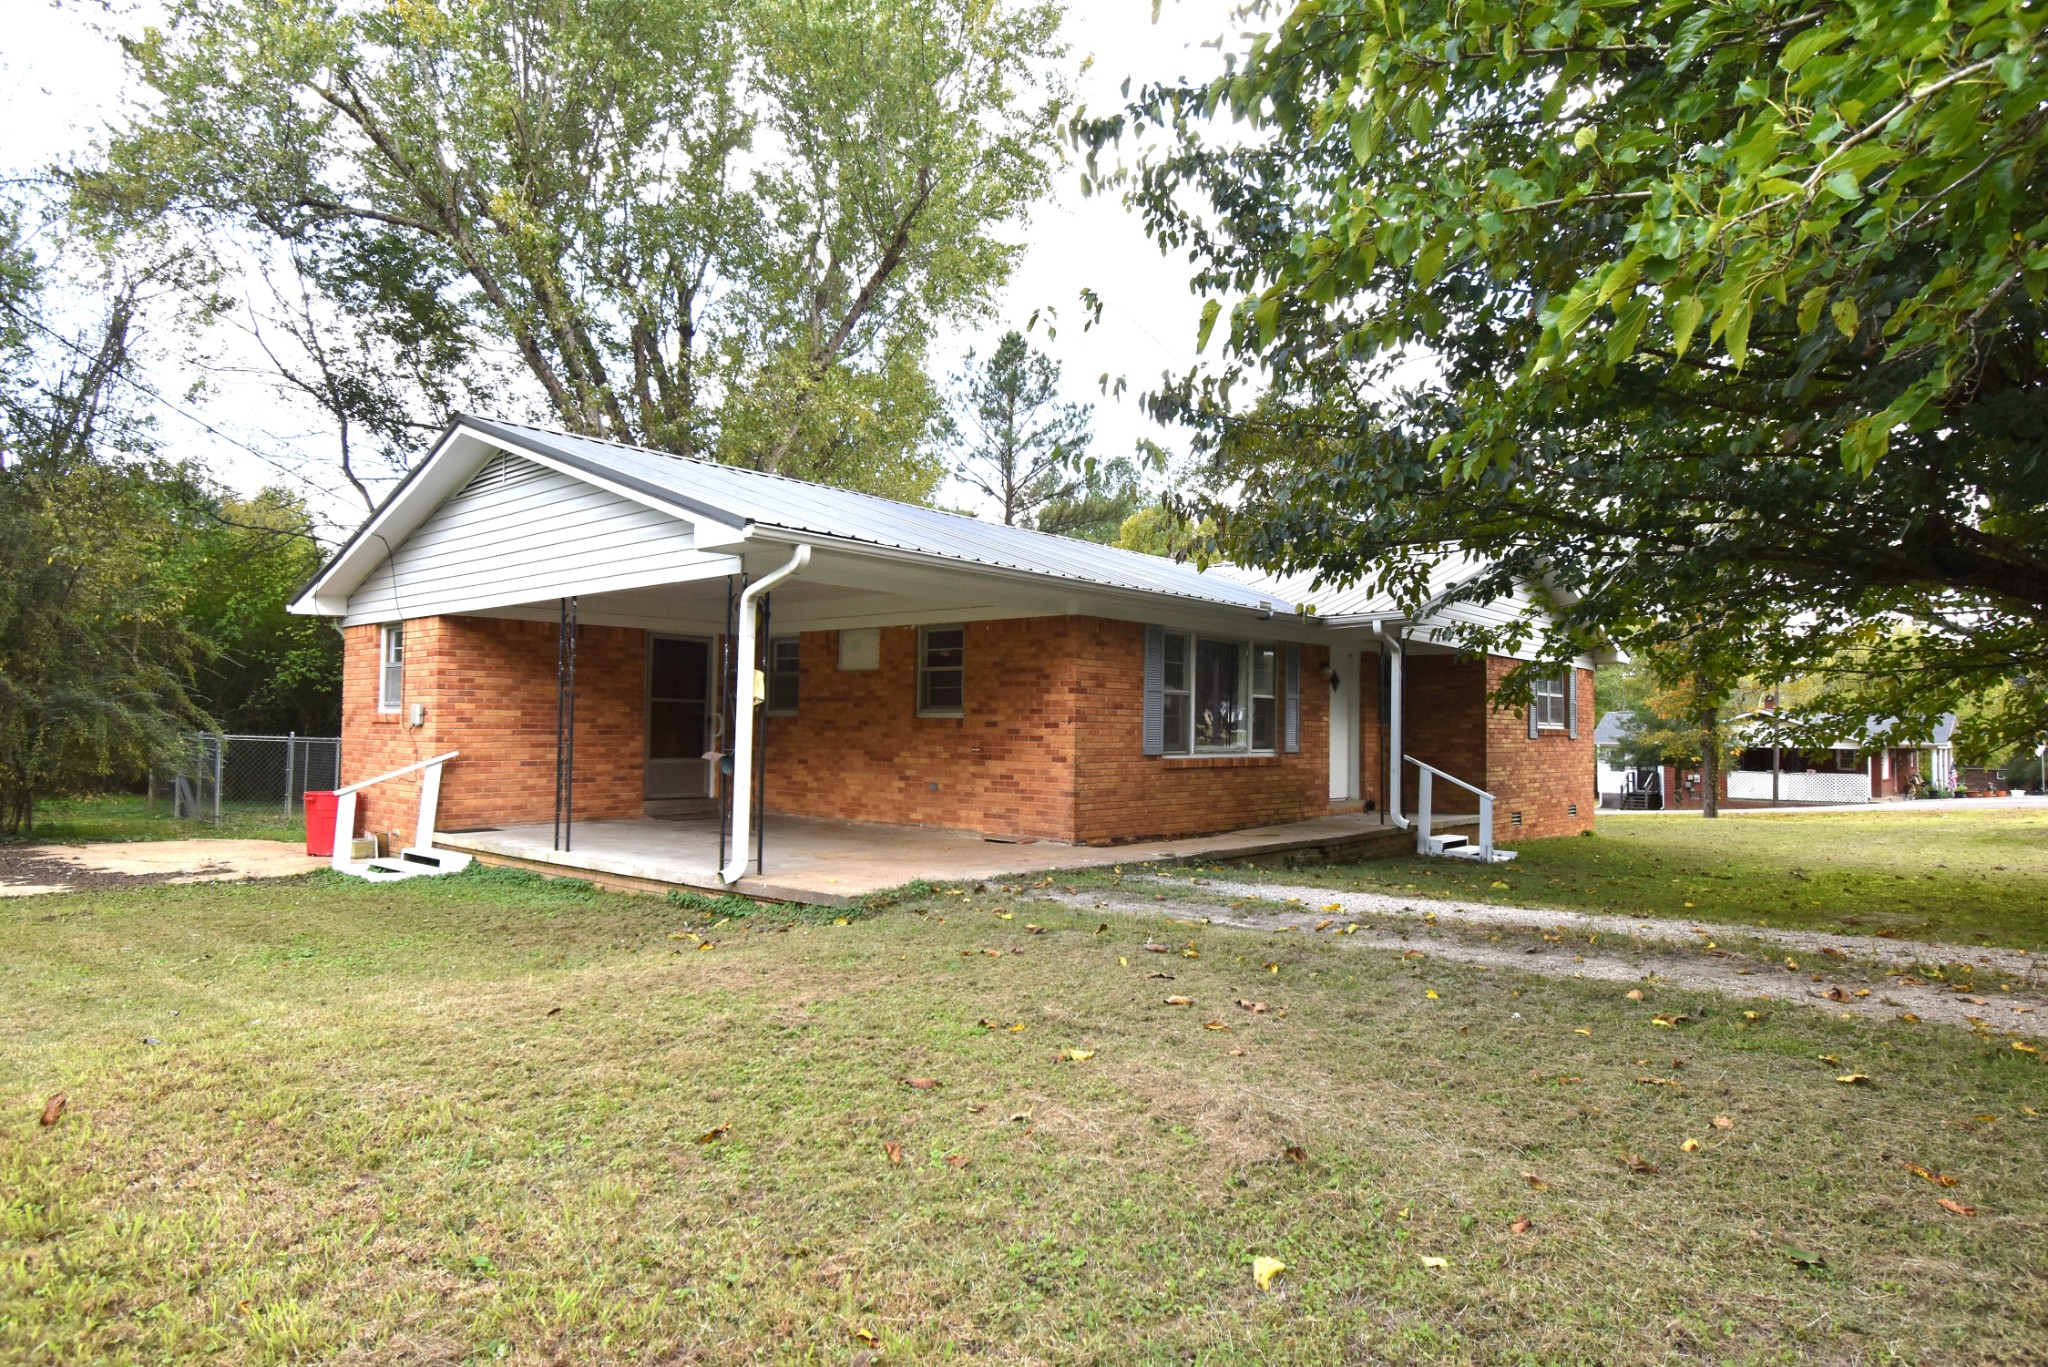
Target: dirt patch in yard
(26, 870)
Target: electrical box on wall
(417, 714)
(860, 648)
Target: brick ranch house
(565, 613)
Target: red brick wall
(1127, 795)
(488, 686)
(856, 750)
(1449, 721)
(1445, 722)
(1542, 778)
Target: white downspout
(1398, 654)
(746, 684)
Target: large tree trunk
(1710, 761)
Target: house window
(782, 676)
(941, 671)
(1547, 700)
(1219, 697)
(1179, 699)
(391, 668)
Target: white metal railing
(1748, 785)
(430, 799)
(1424, 829)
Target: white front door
(1344, 694)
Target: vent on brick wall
(1575, 809)
(1514, 818)
(501, 472)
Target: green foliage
(1109, 495)
(1736, 314)
(1017, 442)
(266, 671)
(717, 229)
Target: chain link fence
(218, 777)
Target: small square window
(1547, 698)
(784, 676)
(941, 671)
(391, 668)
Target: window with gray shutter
(1154, 730)
(1293, 698)
(1571, 701)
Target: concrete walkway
(1994, 992)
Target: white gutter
(748, 683)
(1392, 641)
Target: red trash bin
(320, 823)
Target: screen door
(678, 717)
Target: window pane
(941, 691)
(1264, 713)
(945, 648)
(1219, 695)
(394, 645)
(1262, 672)
(1176, 723)
(1176, 664)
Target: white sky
(61, 77)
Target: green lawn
(1939, 871)
(483, 1118)
(129, 816)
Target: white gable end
(519, 532)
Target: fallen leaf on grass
(1909, 1018)
(1214, 1025)
(2024, 1047)
(922, 1084)
(894, 1150)
(1536, 1182)
(1102, 929)
(1165, 977)
(1955, 1207)
(958, 1160)
(1156, 949)
(1324, 925)
(1940, 1179)
(1582, 1030)
(1854, 1079)
(54, 1108)
(865, 1336)
(716, 1132)
(1435, 1262)
(1074, 1055)
(1836, 994)
(1237, 1053)
(1256, 1008)
(1722, 1122)
(1296, 1152)
(1272, 968)
(1414, 954)
(1430, 993)
(1829, 1058)
(1832, 952)
(1658, 1081)
(1691, 1146)
(1332, 906)
(1191, 953)
(1637, 1163)
(554, 1011)
(1635, 994)
(1522, 1225)
(1180, 1001)
(1264, 1269)
(1805, 1259)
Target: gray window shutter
(1571, 700)
(1532, 719)
(1293, 698)
(1155, 691)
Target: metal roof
(1614, 728)
(1359, 599)
(800, 508)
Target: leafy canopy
(715, 228)
(1734, 314)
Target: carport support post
(565, 726)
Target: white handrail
(361, 784)
(1425, 825)
(430, 801)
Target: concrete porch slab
(830, 863)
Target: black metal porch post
(565, 727)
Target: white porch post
(1396, 654)
(747, 697)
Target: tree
(718, 229)
(265, 671)
(1017, 442)
(1108, 496)
(1736, 316)
(95, 658)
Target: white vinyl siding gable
(519, 532)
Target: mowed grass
(1936, 871)
(131, 816)
(485, 1119)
